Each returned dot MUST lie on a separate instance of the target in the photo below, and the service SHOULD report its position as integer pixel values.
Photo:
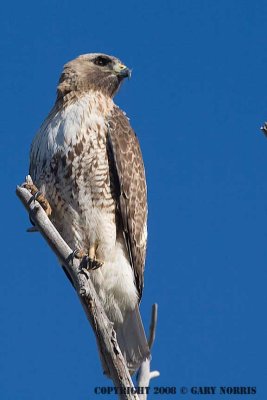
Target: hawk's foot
(39, 197)
(93, 263)
(89, 261)
(78, 253)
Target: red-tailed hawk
(87, 162)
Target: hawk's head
(94, 71)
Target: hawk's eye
(101, 61)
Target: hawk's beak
(122, 71)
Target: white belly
(114, 281)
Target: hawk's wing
(125, 150)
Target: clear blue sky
(197, 98)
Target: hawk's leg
(91, 261)
(39, 197)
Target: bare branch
(153, 325)
(264, 128)
(144, 373)
(102, 327)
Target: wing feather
(125, 150)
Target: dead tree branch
(264, 128)
(144, 373)
(102, 327)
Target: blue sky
(197, 99)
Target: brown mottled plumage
(133, 194)
(86, 159)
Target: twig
(102, 327)
(144, 373)
(153, 325)
(264, 128)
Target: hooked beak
(122, 71)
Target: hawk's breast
(69, 162)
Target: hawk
(86, 161)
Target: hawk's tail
(132, 340)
